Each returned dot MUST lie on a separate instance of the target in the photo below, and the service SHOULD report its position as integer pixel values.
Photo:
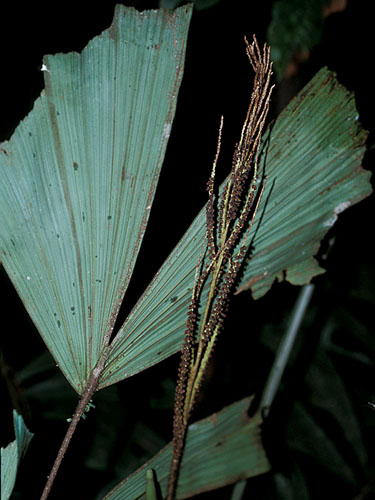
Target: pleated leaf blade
(220, 450)
(313, 170)
(79, 176)
(312, 163)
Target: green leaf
(291, 487)
(198, 4)
(79, 176)
(204, 4)
(306, 436)
(150, 485)
(313, 170)
(168, 4)
(12, 454)
(311, 159)
(296, 26)
(329, 393)
(219, 450)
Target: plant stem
(285, 348)
(238, 490)
(87, 395)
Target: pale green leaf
(313, 169)
(312, 161)
(12, 454)
(220, 450)
(79, 176)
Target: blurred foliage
(198, 4)
(321, 409)
(296, 27)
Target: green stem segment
(285, 348)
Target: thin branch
(285, 348)
(238, 490)
(83, 403)
(281, 360)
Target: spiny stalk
(227, 230)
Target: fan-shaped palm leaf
(79, 176)
(312, 160)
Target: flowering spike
(224, 232)
(210, 210)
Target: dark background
(133, 420)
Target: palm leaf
(79, 176)
(313, 169)
(311, 158)
(12, 454)
(219, 450)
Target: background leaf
(198, 4)
(12, 454)
(291, 488)
(219, 450)
(79, 176)
(295, 27)
(329, 393)
(314, 442)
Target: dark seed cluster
(226, 249)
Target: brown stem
(178, 447)
(87, 395)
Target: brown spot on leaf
(249, 284)
(214, 419)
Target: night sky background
(138, 412)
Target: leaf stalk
(83, 403)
